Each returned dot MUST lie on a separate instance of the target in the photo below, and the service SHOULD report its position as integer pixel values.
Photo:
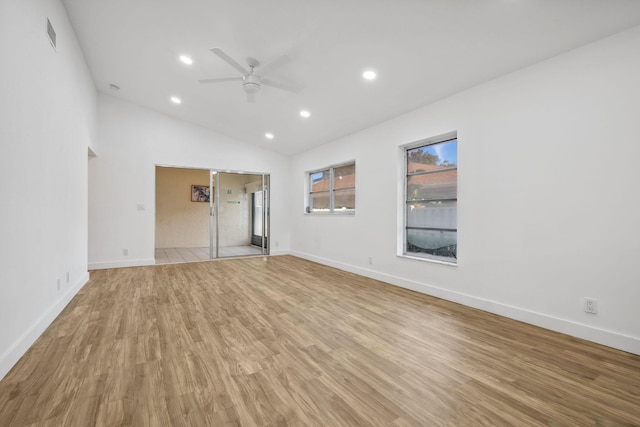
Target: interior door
(257, 219)
(241, 220)
(260, 216)
(207, 214)
(213, 207)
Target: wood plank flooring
(281, 341)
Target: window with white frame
(431, 198)
(332, 190)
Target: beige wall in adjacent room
(180, 223)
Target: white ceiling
(423, 50)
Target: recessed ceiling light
(113, 87)
(186, 60)
(268, 135)
(369, 75)
(176, 100)
(305, 113)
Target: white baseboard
(279, 252)
(601, 336)
(101, 265)
(10, 357)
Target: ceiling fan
(252, 82)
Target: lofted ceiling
(422, 50)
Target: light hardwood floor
(282, 341)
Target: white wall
(548, 212)
(132, 141)
(47, 122)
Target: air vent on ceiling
(51, 33)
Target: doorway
(204, 214)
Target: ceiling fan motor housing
(251, 83)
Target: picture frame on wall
(200, 193)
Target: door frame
(214, 199)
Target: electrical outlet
(58, 284)
(591, 305)
(125, 252)
(67, 277)
(370, 260)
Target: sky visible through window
(446, 153)
(317, 177)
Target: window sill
(433, 260)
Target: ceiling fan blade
(223, 79)
(288, 88)
(229, 60)
(251, 98)
(277, 63)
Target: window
(333, 190)
(431, 200)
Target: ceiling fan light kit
(251, 83)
